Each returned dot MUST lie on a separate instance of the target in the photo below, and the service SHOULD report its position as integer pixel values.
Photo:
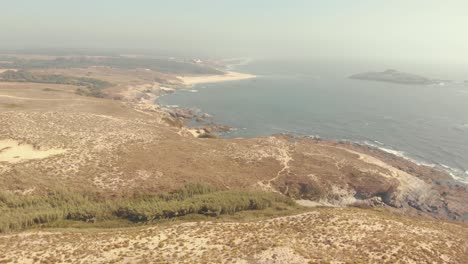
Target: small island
(394, 76)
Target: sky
(412, 30)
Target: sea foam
(400, 154)
(455, 173)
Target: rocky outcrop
(348, 174)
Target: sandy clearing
(280, 255)
(12, 151)
(309, 203)
(228, 76)
(107, 117)
(187, 131)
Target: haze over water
(428, 124)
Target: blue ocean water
(428, 124)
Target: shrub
(24, 211)
(207, 135)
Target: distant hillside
(394, 76)
(93, 86)
(155, 64)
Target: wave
(445, 166)
(456, 174)
(190, 91)
(398, 153)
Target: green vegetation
(24, 211)
(207, 135)
(155, 64)
(92, 87)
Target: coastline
(460, 175)
(456, 174)
(228, 76)
(182, 82)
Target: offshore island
(394, 76)
(92, 168)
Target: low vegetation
(207, 135)
(155, 64)
(90, 86)
(24, 211)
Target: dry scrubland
(68, 160)
(324, 235)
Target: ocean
(427, 124)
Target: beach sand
(228, 76)
(4, 70)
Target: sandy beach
(4, 70)
(228, 76)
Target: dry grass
(116, 149)
(322, 236)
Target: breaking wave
(456, 174)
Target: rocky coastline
(421, 191)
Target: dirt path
(284, 157)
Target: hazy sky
(411, 29)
